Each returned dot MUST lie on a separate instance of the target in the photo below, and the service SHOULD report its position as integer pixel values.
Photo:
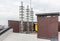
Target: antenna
(30, 4)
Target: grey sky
(9, 9)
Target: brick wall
(15, 25)
(47, 26)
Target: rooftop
(47, 14)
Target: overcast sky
(9, 9)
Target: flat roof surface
(23, 37)
(47, 14)
(10, 36)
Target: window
(48, 16)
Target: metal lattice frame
(21, 16)
(27, 17)
(32, 17)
